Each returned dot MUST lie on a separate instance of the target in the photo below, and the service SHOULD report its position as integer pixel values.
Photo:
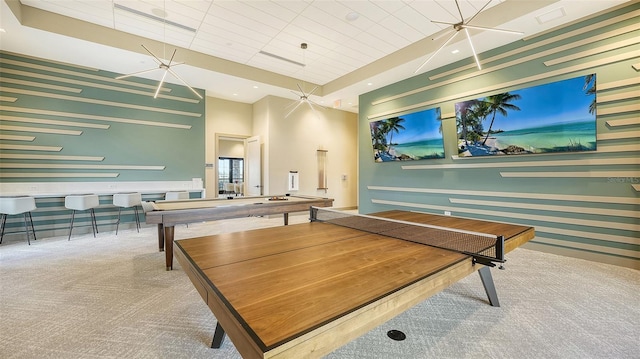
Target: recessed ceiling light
(255, 86)
(369, 83)
(352, 16)
(455, 51)
(2, 30)
(551, 15)
(235, 94)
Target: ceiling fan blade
(479, 11)
(441, 35)
(301, 90)
(493, 29)
(475, 56)
(154, 56)
(184, 82)
(317, 104)
(442, 22)
(298, 103)
(438, 50)
(135, 73)
(460, 11)
(313, 109)
(155, 95)
(171, 59)
(311, 92)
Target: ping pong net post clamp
(491, 261)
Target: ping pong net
(484, 248)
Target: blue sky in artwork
(549, 104)
(419, 126)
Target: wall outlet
(447, 213)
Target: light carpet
(110, 297)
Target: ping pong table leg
(168, 246)
(218, 337)
(489, 287)
(161, 237)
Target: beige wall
(289, 144)
(223, 118)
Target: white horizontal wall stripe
(51, 122)
(97, 102)
(586, 162)
(72, 166)
(590, 235)
(503, 85)
(544, 196)
(8, 99)
(39, 84)
(4, 146)
(588, 247)
(573, 174)
(16, 138)
(511, 215)
(149, 92)
(618, 135)
(40, 130)
(618, 109)
(551, 40)
(55, 175)
(636, 187)
(624, 122)
(50, 157)
(627, 95)
(617, 84)
(94, 117)
(618, 148)
(592, 51)
(547, 207)
(75, 73)
(636, 66)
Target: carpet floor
(110, 297)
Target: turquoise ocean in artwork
(431, 148)
(576, 136)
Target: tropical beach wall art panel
(413, 136)
(550, 118)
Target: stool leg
(26, 227)
(73, 213)
(135, 208)
(32, 228)
(4, 221)
(94, 225)
(118, 222)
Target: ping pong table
(166, 214)
(304, 290)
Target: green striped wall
(581, 204)
(66, 123)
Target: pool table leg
(168, 246)
(218, 337)
(286, 219)
(161, 237)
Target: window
(230, 170)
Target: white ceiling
(354, 46)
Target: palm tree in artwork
(590, 87)
(500, 103)
(394, 125)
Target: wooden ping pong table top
(304, 290)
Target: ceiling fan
(464, 25)
(303, 96)
(167, 69)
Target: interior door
(253, 162)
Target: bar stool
(17, 205)
(172, 196)
(128, 200)
(83, 202)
